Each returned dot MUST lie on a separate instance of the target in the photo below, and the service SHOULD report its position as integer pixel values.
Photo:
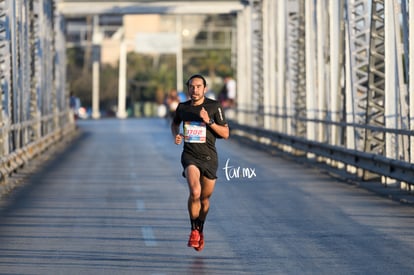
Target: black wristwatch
(211, 122)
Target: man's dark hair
(196, 76)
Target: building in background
(197, 31)
(151, 34)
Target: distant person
(203, 121)
(72, 101)
(74, 104)
(231, 90)
(172, 102)
(227, 95)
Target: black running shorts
(207, 165)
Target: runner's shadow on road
(198, 266)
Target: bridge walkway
(114, 202)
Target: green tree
(79, 79)
(152, 76)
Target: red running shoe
(200, 243)
(194, 240)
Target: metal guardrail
(391, 168)
(18, 159)
(35, 114)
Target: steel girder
(358, 92)
(403, 76)
(5, 75)
(375, 98)
(35, 68)
(257, 61)
(292, 67)
(96, 7)
(381, 103)
(357, 33)
(300, 93)
(32, 73)
(410, 77)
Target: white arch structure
(97, 7)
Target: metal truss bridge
(331, 81)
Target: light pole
(96, 41)
(122, 79)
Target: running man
(203, 121)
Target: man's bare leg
(207, 188)
(192, 174)
(198, 204)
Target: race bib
(195, 132)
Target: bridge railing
(19, 157)
(35, 115)
(331, 82)
(351, 163)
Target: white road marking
(140, 206)
(148, 234)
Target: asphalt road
(115, 203)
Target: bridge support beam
(122, 80)
(411, 77)
(95, 69)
